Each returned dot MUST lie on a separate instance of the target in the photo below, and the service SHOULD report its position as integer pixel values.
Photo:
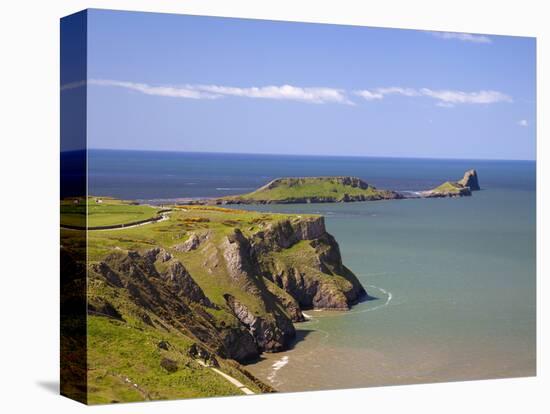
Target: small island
(298, 190)
(340, 189)
(463, 187)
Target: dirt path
(229, 378)
(164, 217)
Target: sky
(189, 83)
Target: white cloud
(315, 95)
(369, 95)
(288, 92)
(380, 93)
(461, 97)
(465, 37)
(523, 123)
(171, 91)
(395, 90)
(285, 92)
(444, 97)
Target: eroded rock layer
(261, 282)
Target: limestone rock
(270, 335)
(193, 242)
(183, 285)
(470, 180)
(158, 253)
(176, 299)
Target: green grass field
(124, 365)
(448, 187)
(309, 188)
(108, 212)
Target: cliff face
(470, 180)
(261, 281)
(169, 295)
(314, 275)
(461, 188)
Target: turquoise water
(455, 279)
(455, 282)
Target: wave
(310, 320)
(277, 365)
(411, 193)
(389, 297)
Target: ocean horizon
(171, 175)
(454, 279)
(276, 154)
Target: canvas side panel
(73, 369)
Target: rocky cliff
(470, 180)
(168, 295)
(235, 290)
(461, 188)
(305, 275)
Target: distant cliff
(463, 187)
(302, 190)
(470, 180)
(297, 190)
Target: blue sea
(455, 279)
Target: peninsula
(302, 190)
(198, 293)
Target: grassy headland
(312, 190)
(208, 283)
(298, 190)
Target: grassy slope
(110, 211)
(313, 187)
(120, 350)
(124, 365)
(184, 221)
(447, 187)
